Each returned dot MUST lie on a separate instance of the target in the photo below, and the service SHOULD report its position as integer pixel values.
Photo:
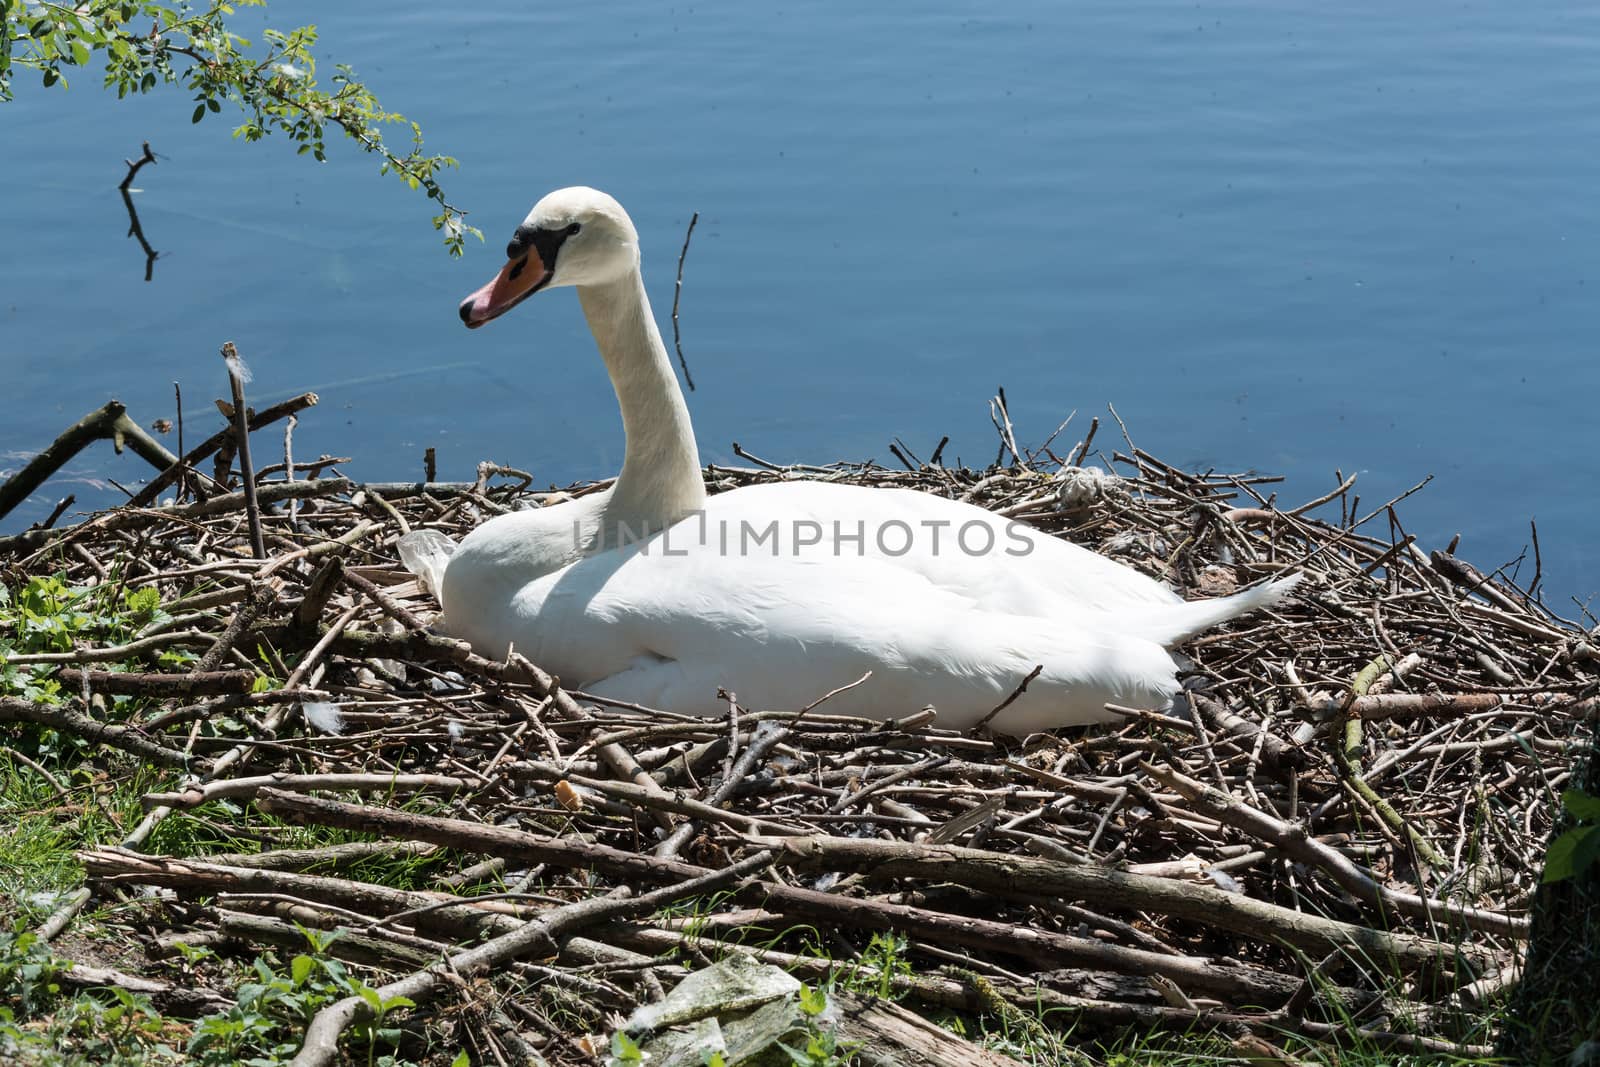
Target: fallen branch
(322, 1035)
(111, 423)
(60, 717)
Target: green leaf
(1559, 861)
(1581, 805)
(625, 1049)
(373, 1001)
(199, 113)
(144, 601)
(1587, 851)
(813, 1001)
(300, 969)
(461, 1060)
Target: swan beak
(518, 279)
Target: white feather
(238, 367)
(323, 717)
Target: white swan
(650, 592)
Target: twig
(677, 291)
(1088, 439)
(1294, 842)
(62, 718)
(241, 429)
(1022, 687)
(288, 468)
(322, 1035)
(55, 513)
(183, 479)
(192, 458)
(135, 230)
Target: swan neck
(660, 480)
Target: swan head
(574, 236)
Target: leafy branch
(145, 43)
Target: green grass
(43, 828)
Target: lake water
(1289, 237)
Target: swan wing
(668, 631)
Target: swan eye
(574, 228)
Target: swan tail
(426, 553)
(1178, 623)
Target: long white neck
(660, 480)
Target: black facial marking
(518, 269)
(545, 242)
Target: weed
(1578, 847)
(822, 1047)
(262, 1028)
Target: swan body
(651, 592)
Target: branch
(322, 1036)
(999, 873)
(110, 421)
(677, 291)
(135, 230)
(78, 724)
(192, 458)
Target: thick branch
(110, 421)
(65, 719)
(322, 1036)
(999, 873)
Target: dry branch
(108, 422)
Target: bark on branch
(108, 422)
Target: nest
(1334, 832)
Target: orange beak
(518, 279)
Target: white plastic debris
(426, 553)
(737, 983)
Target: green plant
(1576, 850)
(41, 1023)
(822, 1047)
(625, 1051)
(145, 43)
(882, 961)
(45, 614)
(265, 1024)
(105, 1028)
(28, 972)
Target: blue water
(1291, 237)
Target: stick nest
(1334, 831)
